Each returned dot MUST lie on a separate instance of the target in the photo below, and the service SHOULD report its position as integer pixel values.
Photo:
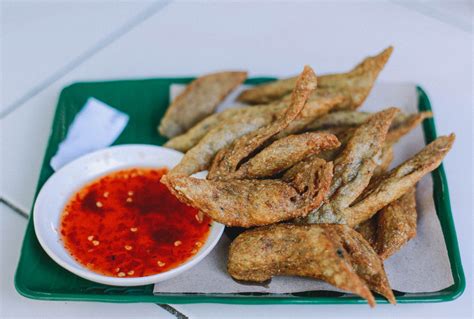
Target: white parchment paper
(421, 266)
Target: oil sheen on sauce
(127, 224)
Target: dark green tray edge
(443, 209)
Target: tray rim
(443, 211)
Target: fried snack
(333, 253)
(368, 230)
(268, 92)
(403, 124)
(314, 108)
(313, 175)
(186, 141)
(367, 265)
(392, 227)
(398, 181)
(284, 153)
(339, 119)
(297, 175)
(343, 135)
(343, 124)
(200, 156)
(199, 99)
(247, 203)
(246, 120)
(354, 167)
(385, 160)
(228, 160)
(396, 225)
(354, 85)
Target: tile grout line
(17, 210)
(101, 44)
(173, 311)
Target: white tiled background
(46, 45)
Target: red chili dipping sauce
(127, 224)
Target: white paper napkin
(96, 126)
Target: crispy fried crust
(236, 123)
(354, 85)
(392, 227)
(200, 156)
(314, 108)
(186, 141)
(368, 230)
(228, 160)
(403, 124)
(396, 225)
(332, 253)
(284, 153)
(248, 203)
(385, 160)
(314, 180)
(354, 167)
(338, 119)
(398, 181)
(199, 99)
(268, 92)
(365, 261)
(344, 123)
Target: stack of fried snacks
(306, 171)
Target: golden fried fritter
(339, 119)
(385, 160)
(344, 123)
(248, 203)
(186, 141)
(300, 173)
(228, 160)
(333, 253)
(199, 99)
(314, 108)
(354, 167)
(354, 85)
(396, 225)
(200, 156)
(403, 124)
(366, 264)
(398, 181)
(368, 230)
(284, 153)
(392, 227)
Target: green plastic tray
(39, 277)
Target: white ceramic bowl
(69, 179)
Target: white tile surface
(24, 135)
(40, 38)
(276, 39)
(12, 305)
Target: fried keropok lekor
(334, 253)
